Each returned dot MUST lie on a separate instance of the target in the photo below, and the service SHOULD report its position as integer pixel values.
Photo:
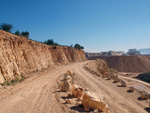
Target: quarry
(37, 78)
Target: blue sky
(98, 25)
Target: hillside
(127, 63)
(19, 56)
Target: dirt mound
(99, 67)
(127, 63)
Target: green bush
(13, 82)
(7, 83)
(17, 33)
(50, 42)
(2, 84)
(25, 34)
(78, 46)
(6, 27)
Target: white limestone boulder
(66, 86)
(77, 91)
(123, 83)
(93, 101)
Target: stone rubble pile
(112, 75)
(89, 100)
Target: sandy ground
(38, 94)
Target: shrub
(50, 42)
(7, 83)
(2, 84)
(78, 46)
(17, 33)
(6, 27)
(14, 81)
(25, 34)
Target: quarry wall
(19, 56)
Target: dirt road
(37, 94)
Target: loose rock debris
(76, 94)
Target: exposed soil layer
(127, 63)
(21, 56)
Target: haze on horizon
(98, 25)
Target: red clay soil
(127, 63)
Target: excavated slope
(127, 63)
(19, 56)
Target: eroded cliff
(19, 56)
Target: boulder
(69, 73)
(123, 83)
(68, 78)
(95, 111)
(77, 91)
(78, 103)
(100, 75)
(66, 86)
(108, 77)
(116, 78)
(68, 101)
(94, 101)
(79, 98)
(131, 89)
(69, 95)
(145, 96)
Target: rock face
(19, 56)
(94, 101)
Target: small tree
(25, 34)
(50, 42)
(78, 46)
(6, 27)
(17, 33)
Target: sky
(98, 25)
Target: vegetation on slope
(9, 28)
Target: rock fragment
(94, 101)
